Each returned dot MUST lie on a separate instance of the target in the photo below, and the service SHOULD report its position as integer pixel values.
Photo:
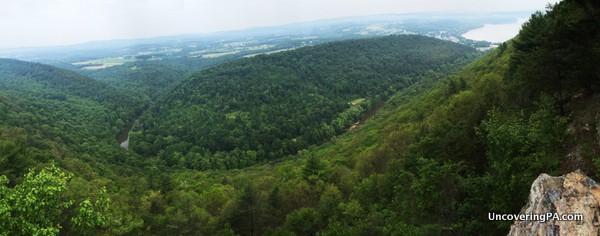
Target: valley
(123, 136)
(289, 100)
(372, 125)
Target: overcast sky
(26, 23)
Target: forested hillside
(38, 80)
(450, 142)
(437, 157)
(240, 113)
(53, 117)
(61, 110)
(149, 79)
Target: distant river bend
(123, 136)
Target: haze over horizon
(30, 23)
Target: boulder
(565, 205)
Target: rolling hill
(240, 113)
(448, 144)
(58, 114)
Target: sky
(34, 23)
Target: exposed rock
(573, 194)
(582, 141)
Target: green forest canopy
(263, 108)
(437, 157)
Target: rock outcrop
(570, 196)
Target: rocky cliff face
(551, 198)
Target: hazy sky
(25, 23)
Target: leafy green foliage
(519, 149)
(36, 206)
(93, 215)
(33, 206)
(304, 221)
(557, 52)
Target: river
(123, 136)
(495, 33)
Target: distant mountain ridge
(326, 28)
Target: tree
(303, 222)
(519, 148)
(36, 206)
(244, 217)
(93, 215)
(312, 170)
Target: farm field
(103, 63)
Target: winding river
(123, 136)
